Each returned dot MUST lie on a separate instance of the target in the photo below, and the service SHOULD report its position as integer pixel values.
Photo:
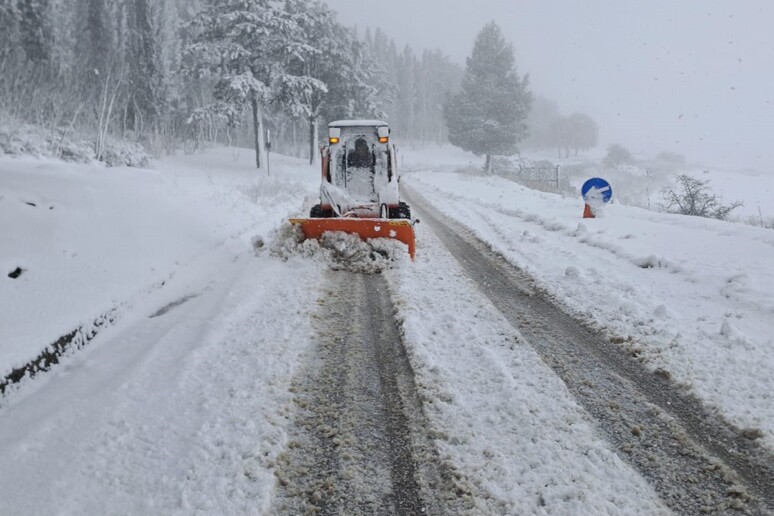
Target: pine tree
(147, 86)
(412, 90)
(317, 59)
(405, 101)
(35, 28)
(240, 44)
(369, 91)
(94, 57)
(357, 84)
(9, 36)
(94, 40)
(487, 116)
(436, 79)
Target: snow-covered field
(184, 412)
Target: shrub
(693, 197)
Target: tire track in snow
(360, 446)
(695, 462)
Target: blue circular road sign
(597, 188)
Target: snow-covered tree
(413, 90)
(147, 97)
(365, 92)
(617, 155)
(36, 31)
(487, 116)
(319, 58)
(358, 88)
(145, 69)
(436, 79)
(9, 52)
(548, 128)
(584, 132)
(9, 36)
(95, 36)
(384, 52)
(577, 131)
(233, 45)
(406, 99)
(561, 135)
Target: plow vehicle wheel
(401, 212)
(318, 213)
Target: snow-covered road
(695, 463)
(187, 412)
(360, 443)
(182, 413)
(689, 296)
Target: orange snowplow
(401, 230)
(359, 189)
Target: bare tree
(694, 197)
(109, 92)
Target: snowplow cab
(359, 187)
(359, 172)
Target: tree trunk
(312, 139)
(257, 130)
(296, 150)
(488, 164)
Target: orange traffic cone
(587, 213)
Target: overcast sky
(691, 76)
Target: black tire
(318, 213)
(401, 212)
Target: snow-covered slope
(90, 239)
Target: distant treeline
(168, 73)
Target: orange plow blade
(398, 229)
